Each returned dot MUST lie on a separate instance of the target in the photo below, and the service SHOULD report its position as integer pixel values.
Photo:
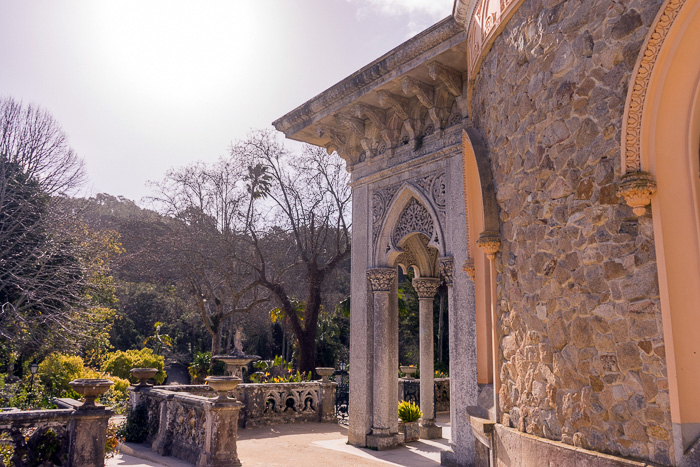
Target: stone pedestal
(88, 427)
(426, 288)
(221, 431)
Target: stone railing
(189, 423)
(442, 393)
(72, 436)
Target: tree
(307, 199)
(208, 207)
(53, 272)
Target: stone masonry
(581, 343)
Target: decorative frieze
(381, 279)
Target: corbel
(424, 92)
(451, 78)
(375, 114)
(398, 104)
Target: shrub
(119, 364)
(409, 412)
(199, 368)
(57, 370)
(135, 430)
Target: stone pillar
(383, 385)
(220, 433)
(88, 432)
(326, 404)
(426, 288)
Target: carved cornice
(490, 242)
(637, 188)
(636, 96)
(426, 287)
(381, 279)
(446, 268)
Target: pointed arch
(386, 248)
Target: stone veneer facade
(581, 343)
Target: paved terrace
(303, 444)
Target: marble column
(383, 385)
(426, 288)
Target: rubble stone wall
(581, 343)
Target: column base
(384, 442)
(430, 432)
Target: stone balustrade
(71, 436)
(186, 422)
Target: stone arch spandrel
(667, 118)
(386, 249)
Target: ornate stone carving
(470, 269)
(414, 218)
(451, 78)
(438, 190)
(446, 267)
(637, 189)
(490, 242)
(399, 104)
(631, 161)
(426, 287)
(381, 279)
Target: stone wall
(581, 345)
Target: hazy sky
(142, 86)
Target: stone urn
(222, 385)
(411, 430)
(91, 389)
(324, 372)
(409, 371)
(143, 375)
(236, 362)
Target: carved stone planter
(222, 385)
(91, 389)
(143, 375)
(324, 373)
(411, 430)
(409, 371)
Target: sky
(142, 86)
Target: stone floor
(303, 444)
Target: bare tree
(48, 262)
(208, 207)
(299, 229)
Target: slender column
(381, 280)
(426, 288)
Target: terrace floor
(303, 444)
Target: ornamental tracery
(414, 218)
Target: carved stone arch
(386, 249)
(661, 140)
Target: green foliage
(135, 430)
(119, 364)
(57, 370)
(277, 371)
(199, 368)
(158, 342)
(409, 412)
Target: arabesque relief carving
(381, 279)
(414, 218)
(637, 94)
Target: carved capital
(637, 189)
(446, 267)
(490, 242)
(426, 287)
(381, 279)
(470, 269)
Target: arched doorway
(662, 139)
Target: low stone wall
(73, 437)
(263, 404)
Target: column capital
(637, 189)
(446, 268)
(470, 268)
(490, 242)
(380, 279)
(426, 287)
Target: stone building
(542, 157)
